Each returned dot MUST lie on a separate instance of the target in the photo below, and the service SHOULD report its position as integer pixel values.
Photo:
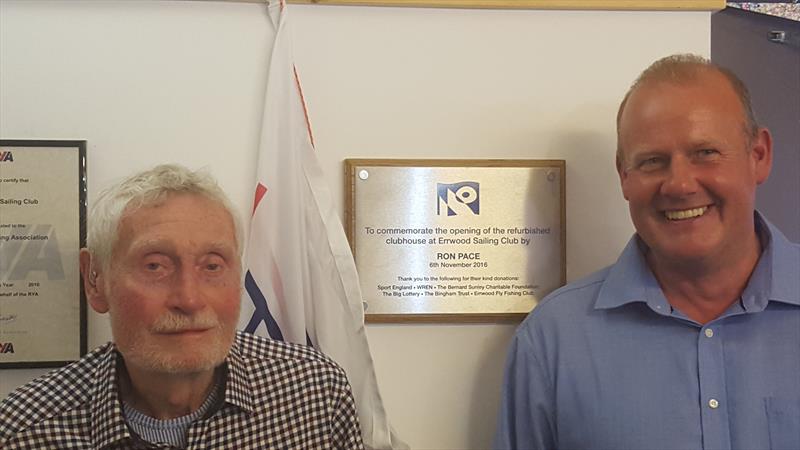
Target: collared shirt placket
(713, 393)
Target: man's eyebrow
(222, 247)
(152, 245)
(646, 153)
(704, 143)
(167, 246)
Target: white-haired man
(691, 340)
(163, 259)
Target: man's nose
(186, 295)
(680, 179)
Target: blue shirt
(607, 363)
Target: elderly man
(164, 261)
(692, 338)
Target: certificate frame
(628, 5)
(66, 341)
(473, 168)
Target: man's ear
(623, 174)
(92, 283)
(761, 154)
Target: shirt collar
(238, 389)
(630, 280)
(108, 423)
(775, 277)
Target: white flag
(301, 283)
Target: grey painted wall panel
(772, 73)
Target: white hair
(144, 189)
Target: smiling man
(164, 261)
(692, 338)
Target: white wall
(150, 82)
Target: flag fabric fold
(300, 280)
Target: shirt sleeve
(345, 426)
(526, 419)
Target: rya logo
(6, 156)
(6, 347)
(458, 198)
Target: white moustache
(174, 323)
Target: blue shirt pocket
(783, 418)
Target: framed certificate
(679, 5)
(455, 240)
(42, 229)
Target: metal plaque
(456, 239)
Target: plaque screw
(363, 174)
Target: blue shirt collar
(777, 274)
(776, 277)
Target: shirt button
(713, 403)
(709, 332)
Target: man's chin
(188, 367)
(176, 361)
(175, 364)
(688, 253)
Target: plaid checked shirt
(277, 396)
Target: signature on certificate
(7, 318)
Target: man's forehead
(704, 98)
(703, 111)
(194, 212)
(138, 208)
(169, 244)
(702, 79)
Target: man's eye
(707, 152)
(152, 266)
(651, 163)
(213, 267)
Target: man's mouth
(185, 330)
(684, 214)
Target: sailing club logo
(461, 198)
